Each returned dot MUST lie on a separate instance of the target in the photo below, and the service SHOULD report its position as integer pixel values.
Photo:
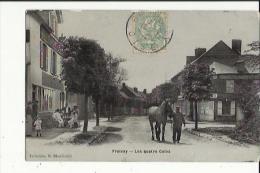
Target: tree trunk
(85, 127)
(111, 111)
(97, 112)
(191, 110)
(105, 109)
(196, 115)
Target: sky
(192, 29)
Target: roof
(136, 95)
(220, 43)
(123, 95)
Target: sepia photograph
(142, 85)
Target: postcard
(141, 86)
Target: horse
(158, 115)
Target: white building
(43, 60)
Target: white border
(12, 153)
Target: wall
(240, 114)
(33, 71)
(206, 110)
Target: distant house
(131, 101)
(155, 97)
(230, 68)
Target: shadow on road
(117, 119)
(113, 129)
(106, 138)
(171, 143)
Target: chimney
(144, 91)
(135, 89)
(189, 59)
(123, 85)
(199, 52)
(236, 45)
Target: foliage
(116, 74)
(247, 97)
(84, 65)
(88, 70)
(246, 90)
(197, 81)
(197, 84)
(169, 91)
(252, 55)
(254, 46)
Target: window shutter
(55, 63)
(41, 55)
(219, 107)
(52, 57)
(233, 108)
(46, 58)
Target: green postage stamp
(148, 32)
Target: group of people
(64, 117)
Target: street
(130, 140)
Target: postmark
(147, 31)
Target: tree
(116, 76)
(253, 56)
(169, 91)
(247, 97)
(83, 67)
(246, 90)
(197, 84)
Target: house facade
(43, 60)
(222, 105)
(131, 101)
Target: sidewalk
(75, 136)
(203, 124)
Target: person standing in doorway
(178, 120)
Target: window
(44, 56)
(226, 107)
(229, 86)
(27, 36)
(233, 108)
(53, 63)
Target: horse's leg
(152, 129)
(163, 130)
(158, 131)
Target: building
(131, 101)
(229, 71)
(43, 60)
(155, 96)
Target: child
(38, 126)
